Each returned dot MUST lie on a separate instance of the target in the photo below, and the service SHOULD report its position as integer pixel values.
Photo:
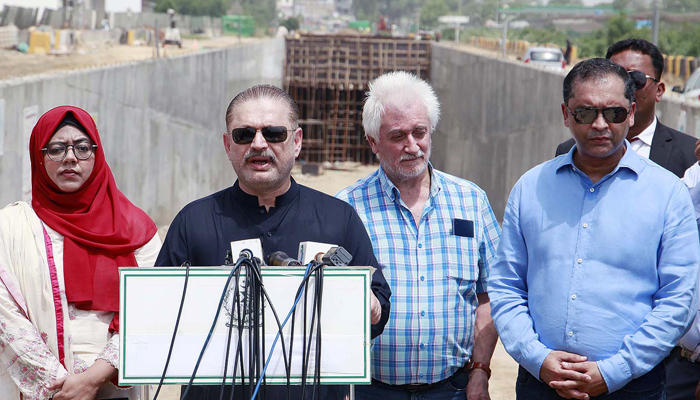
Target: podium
(149, 302)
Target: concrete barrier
(161, 121)
(500, 118)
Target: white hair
(397, 88)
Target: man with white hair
(435, 237)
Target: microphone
(336, 256)
(281, 259)
(319, 257)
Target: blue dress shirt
(604, 270)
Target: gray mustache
(408, 157)
(267, 154)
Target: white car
(691, 89)
(550, 57)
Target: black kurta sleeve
(360, 247)
(174, 251)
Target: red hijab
(102, 228)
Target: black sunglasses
(273, 134)
(639, 79)
(587, 115)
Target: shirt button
(571, 334)
(592, 190)
(262, 211)
(573, 297)
(421, 346)
(585, 225)
(420, 375)
(580, 260)
(420, 245)
(422, 278)
(269, 234)
(422, 313)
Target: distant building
(314, 9)
(286, 7)
(54, 4)
(98, 6)
(344, 7)
(148, 5)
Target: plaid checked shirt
(434, 275)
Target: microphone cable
(245, 254)
(230, 333)
(186, 264)
(315, 322)
(291, 314)
(254, 296)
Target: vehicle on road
(549, 57)
(691, 89)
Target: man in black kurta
(266, 203)
(202, 232)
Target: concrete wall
(500, 118)
(160, 121)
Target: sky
(110, 5)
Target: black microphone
(336, 256)
(281, 259)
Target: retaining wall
(500, 118)
(160, 121)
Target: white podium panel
(149, 302)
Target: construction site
(327, 76)
(160, 109)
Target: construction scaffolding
(327, 76)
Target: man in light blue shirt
(598, 260)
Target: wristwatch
(477, 365)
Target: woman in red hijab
(59, 259)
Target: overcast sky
(111, 5)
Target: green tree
(482, 11)
(547, 35)
(292, 24)
(567, 2)
(620, 27)
(621, 5)
(264, 11)
(214, 8)
(366, 9)
(682, 6)
(431, 11)
(680, 39)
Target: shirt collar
(647, 134)
(393, 192)
(630, 160)
(252, 201)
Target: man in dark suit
(649, 138)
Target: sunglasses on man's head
(272, 134)
(587, 115)
(640, 79)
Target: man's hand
(593, 387)
(553, 367)
(553, 370)
(697, 149)
(478, 385)
(376, 309)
